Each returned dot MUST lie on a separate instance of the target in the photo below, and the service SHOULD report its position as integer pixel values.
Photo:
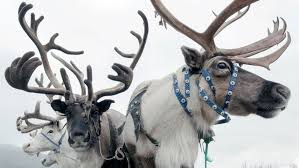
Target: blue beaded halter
(221, 110)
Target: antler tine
(29, 126)
(43, 49)
(73, 68)
(231, 9)
(178, 25)
(69, 96)
(274, 38)
(40, 83)
(229, 22)
(205, 39)
(267, 60)
(35, 115)
(141, 40)
(20, 72)
(125, 74)
(88, 83)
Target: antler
(35, 115)
(125, 74)
(20, 71)
(206, 39)
(142, 42)
(73, 68)
(274, 38)
(263, 61)
(43, 49)
(229, 22)
(40, 83)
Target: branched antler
(73, 68)
(35, 115)
(141, 40)
(229, 22)
(40, 83)
(20, 71)
(206, 38)
(31, 31)
(125, 74)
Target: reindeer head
(47, 139)
(83, 112)
(252, 94)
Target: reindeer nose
(79, 136)
(282, 91)
(25, 146)
(43, 162)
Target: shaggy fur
(166, 121)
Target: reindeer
(167, 117)
(91, 126)
(52, 138)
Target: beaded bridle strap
(202, 93)
(221, 110)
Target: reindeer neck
(104, 139)
(89, 158)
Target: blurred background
(97, 26)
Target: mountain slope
(14, 157)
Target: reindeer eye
(50, 131)
(222, 65)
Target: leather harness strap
(135, 111)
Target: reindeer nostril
(26, 146)
(71, 141)
(283, 91)
(77, 134)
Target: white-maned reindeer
(51, 138)
(91, 126)
(167, 117)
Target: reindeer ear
(104, 105)
(58, 105)
(192, 58)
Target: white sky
(97, 26)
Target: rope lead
(207, 141)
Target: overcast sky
(97, 26)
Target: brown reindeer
(167, 117)
(92, 128)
